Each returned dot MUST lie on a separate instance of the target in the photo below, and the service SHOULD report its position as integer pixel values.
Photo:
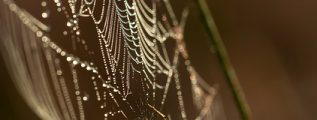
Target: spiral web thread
(137, 70)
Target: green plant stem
(223, 57)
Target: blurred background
(271, 44)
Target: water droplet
(59, 72)
(88, 68)
(58, 50)
(77, 33)
(59, 9)
(115, 90)
(43, 3)
(75, 62)
(83, 65)
(69, 58)
(44, 39)
(65, 33)
(39, 34)
(63, 53)
(85, 98)
(45, 15)
(69, 24)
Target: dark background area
(272, 45)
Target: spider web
(135, 75)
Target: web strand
(138, 70)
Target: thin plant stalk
(219, 48)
